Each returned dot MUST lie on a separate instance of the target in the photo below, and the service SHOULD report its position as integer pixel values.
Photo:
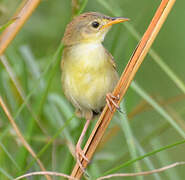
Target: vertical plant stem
(129, 137)
(125, 80)
(161, 111)
(159, 61)
(9, 34)
(26, 145)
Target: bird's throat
(87, 54)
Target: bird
(89, 72)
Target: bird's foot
(111, 99)
(79, 156)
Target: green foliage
(3, 27)
(30, 84)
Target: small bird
(88, 70)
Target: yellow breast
(87, 75)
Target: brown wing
(111, 59)
(62, 59)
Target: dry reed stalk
(27, 7)
(19, 89)
(125, 80)
(20, 136)
(144, 173)
(9, 34)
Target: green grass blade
(158, 108)
(54, 59)
(129, 137)
(58, 133)
(2, 171)
(9, 156)
(163, 158)
(179, 83)
(128, 163)
(147, 160)
(83, 5)
(3, 27)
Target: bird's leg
(110, 98)
(79, 152)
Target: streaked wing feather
(111, 59)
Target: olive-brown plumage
(88, 69)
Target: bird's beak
(115, 20)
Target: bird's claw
(79, 156)
(110, 98)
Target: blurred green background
(154, 106)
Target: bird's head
(89, 27)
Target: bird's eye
(95, 24)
